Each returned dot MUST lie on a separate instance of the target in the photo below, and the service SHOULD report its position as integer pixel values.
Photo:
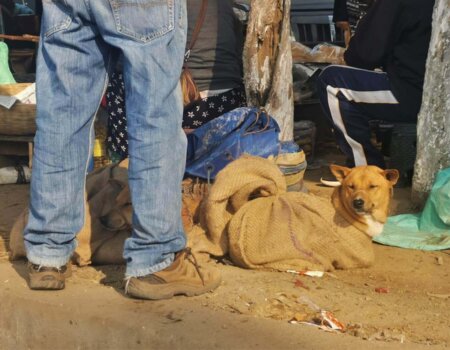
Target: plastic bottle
(15, 175)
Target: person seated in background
(347, 13)
(215, 63)
(393, 36)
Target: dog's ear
(392, 175)
(340, 172)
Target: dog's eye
(373, 186)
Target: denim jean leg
(71, 76)
(152, 40)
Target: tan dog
(364, 195)
(250, 216)
(303, 231)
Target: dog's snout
(358, 203)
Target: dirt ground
(403, 299)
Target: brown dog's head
(366, 190)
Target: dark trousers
(350, 98)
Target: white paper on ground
(7, 101)
(26, 96)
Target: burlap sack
(107, 219)
(250, 215)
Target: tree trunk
(268, 62)
(433, 128)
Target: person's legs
(157, 150)
(211, 107)
(152, 40)
(350, 98)
(71, 78)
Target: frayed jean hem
(140, 270)
(47, 261)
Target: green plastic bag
(429, 230)
(5, 74)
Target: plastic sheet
(429, 230)
(6, 76)
(321, 53)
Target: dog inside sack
(107, 219)
(250, 216)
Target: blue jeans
(78, 42)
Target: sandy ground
(252, 309)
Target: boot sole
(167, 291)
(47, 282)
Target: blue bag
(224, 139)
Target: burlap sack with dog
(250, 215)
(107, 219)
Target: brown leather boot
(183, 277)
(48, 278)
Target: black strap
(21, 178)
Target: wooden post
(268, 62)
(433, 127)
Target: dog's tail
(330, 183)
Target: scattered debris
(325, 321)
(332, 275)
(300, 284)
(440, 296)
(382, 290)
(282, 306)
(307, 273)
(308, 302)
(329, 320)
(173, 318)
(357, 330)
(300, 317)
(371, 333)
(388, 335)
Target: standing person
(394, 35)
(215, 63)
(77, 41)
